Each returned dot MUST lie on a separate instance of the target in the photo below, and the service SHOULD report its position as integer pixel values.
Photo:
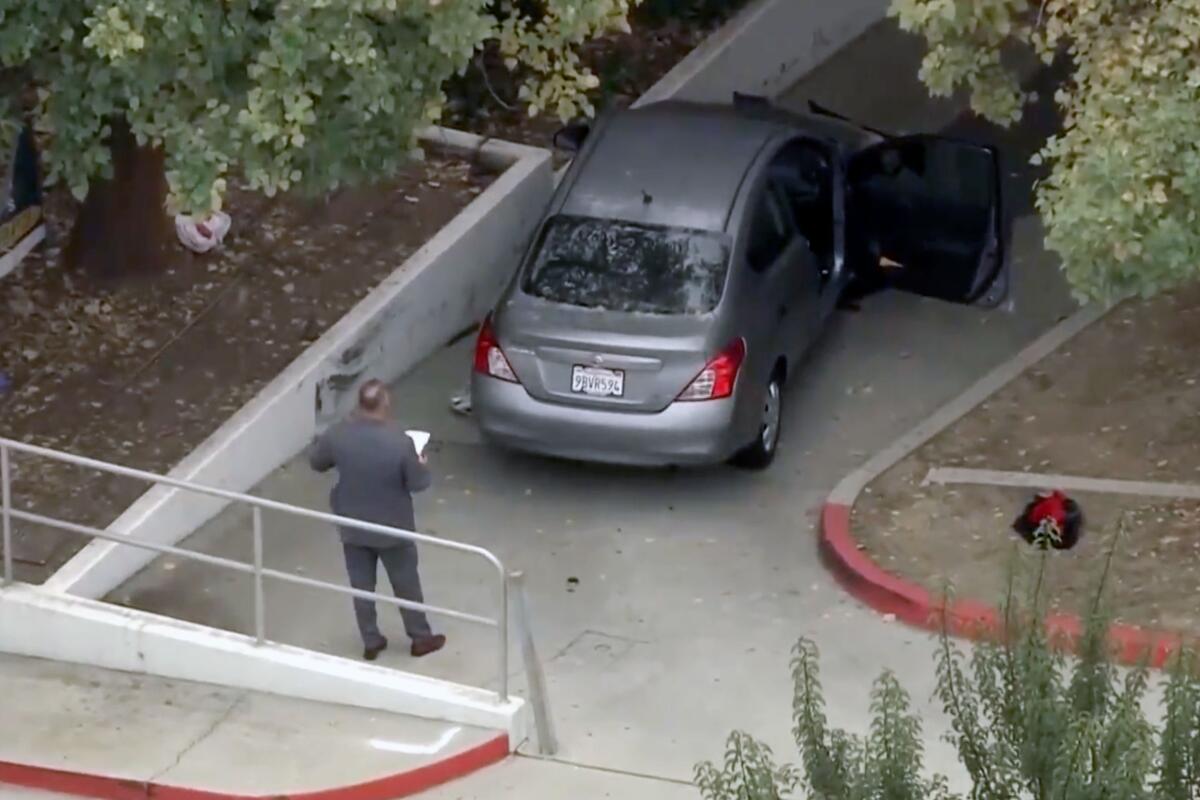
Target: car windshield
(623, 266)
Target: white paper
(420, 439)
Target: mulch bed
(1120, 402)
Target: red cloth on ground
(1053, 507)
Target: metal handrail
(8, 513)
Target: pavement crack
(204, 734)
(629, 640)
(610, 770)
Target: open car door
(928, 214)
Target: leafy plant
(284, 93)
(1121, 199)
(1025, 721)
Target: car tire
(761, 452)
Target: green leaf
(1120, 200)
(256, 90)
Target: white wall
(45, 624)
(766, 48)
(442, 289)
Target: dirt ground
(141, 373)
(1120, 401)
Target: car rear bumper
(682, 434)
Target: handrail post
(502, 628)
(547, 739)
(6, 513)
(260, 613)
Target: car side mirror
(571, 137)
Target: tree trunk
(122, 226)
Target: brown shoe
(427, 645)
(371, 653)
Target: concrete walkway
(111, 730)
(9, 792)
(526, 778)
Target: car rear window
(623, 266)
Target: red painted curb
(393, 786)
(966, 618)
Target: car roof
(682, 164)
(820, 126)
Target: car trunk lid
(602, 359)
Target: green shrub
(1026, 721)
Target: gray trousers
(400, 563)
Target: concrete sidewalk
(109, 734)
(9, 792)
(524, 778)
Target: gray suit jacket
(378, 472)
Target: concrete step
(97, 733)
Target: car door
(772, 254)
(804, 171)
(928, 217)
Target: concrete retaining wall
(10, 260)
(766, 48)
(45, 624)
(442, 289)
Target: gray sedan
(692, 255)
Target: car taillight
(718, 377)
(489, 358)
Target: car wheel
(761, 452)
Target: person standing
(378, 472)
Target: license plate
(597, 382)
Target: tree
(1121, 200)
(1025, 724)
(281, 93)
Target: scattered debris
(203, 235)
(1050, 519)
(460, 402)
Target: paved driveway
(692, 586)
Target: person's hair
(372, 396)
